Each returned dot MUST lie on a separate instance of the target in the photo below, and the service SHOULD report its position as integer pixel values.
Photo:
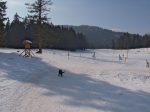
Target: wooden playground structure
(27, 52)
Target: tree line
(37, 28)
(131, 41)
(57, 37)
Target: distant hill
(97, 37)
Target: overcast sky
(121, 15)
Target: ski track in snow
(100, 84)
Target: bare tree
(38, 12)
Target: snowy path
(89, 85)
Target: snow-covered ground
(90, 84)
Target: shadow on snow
(82, 90)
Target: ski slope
(90, 84)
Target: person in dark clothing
(60, 73)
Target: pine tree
(7, 30)
(2, 19)
(16, 34)
(38, 12)
(16, 18)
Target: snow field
(100, 84)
